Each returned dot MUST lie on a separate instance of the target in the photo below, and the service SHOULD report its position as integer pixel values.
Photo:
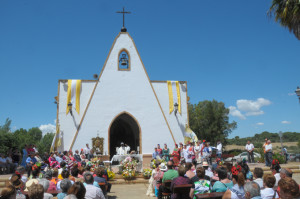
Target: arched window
(124, 60)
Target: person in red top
(30, 149)
(159, 150)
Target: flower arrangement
(129, 167)
(147, 173)
(111, 174)
(155, 161)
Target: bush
(279, 157)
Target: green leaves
(210, 121)
(287, 12)
(21, 137)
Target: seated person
(180, 180)
(238, 179)
(252, 190)
(45, 183)
(169, 175)
(65, 175)
(36, 191)
(48, 176)
(65, 184)
(91, 190)
(78, 190)
(269, 182)
(202, 185)
(224, 183)
(258, 174)
(288, 188)
(99, 179)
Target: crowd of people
(237, 181)
(69, 174)
(184, 153)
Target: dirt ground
(275, 145)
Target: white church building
(122, 105)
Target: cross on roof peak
(123, 12)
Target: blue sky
(230, 51)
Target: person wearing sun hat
(208, 172)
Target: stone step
(268, 168)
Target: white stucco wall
(120, 91)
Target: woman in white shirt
(276, 171)
(268, 192)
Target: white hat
(163, 167)
(205, 164)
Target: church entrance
(124, 128)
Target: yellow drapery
(77, 95)
(171, 100)
(171, 105)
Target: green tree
(210, 121)
(287, 13)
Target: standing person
(87, 152)
(159, 150)
(30, 161)
(155, 153)
(269, 153)
(219, 149)
(16, 156)
(284, 150)
(127, 148)
(77, 156)
(25, 154)
(210, 153)
(264, 148)
(176, 155)
(249, 148)
(197, 151)
(166, 153)
(190, 153)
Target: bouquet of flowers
(129, 167)
(147, 173)
(110, 174)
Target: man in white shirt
(249, 148)
(219, 149)
(92, 192)
(122, 149)
(127, 149)
(87, 152)
(268, 149)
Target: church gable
(130, 91)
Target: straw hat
(205, 164)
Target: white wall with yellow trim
(119, 91)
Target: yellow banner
(171, 105)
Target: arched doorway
(124, 128)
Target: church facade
(122, 105)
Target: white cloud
(47, 128)
(234, 112)
(285, 122)
(259, 123)
(248, 107)
(252, 108)
(291, 94)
